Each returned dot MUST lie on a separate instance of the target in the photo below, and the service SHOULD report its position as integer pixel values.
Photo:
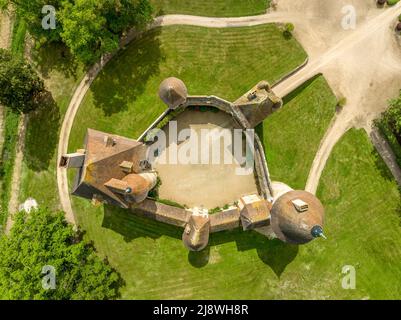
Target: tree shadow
(55, 56)
(287, 35)
(42, 134)
(126, 75)
(274, 253)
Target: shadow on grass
(126, 76)
(42, 134)
(199, 259)
(274, 253)
(55, 56)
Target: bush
(22, 88)
(342, 102)
(389, 125)
(288, 29)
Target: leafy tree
(393, 115)
(84, 30)
(31, 12)
(42, 238)
(21, 88)
(90, 28)
(288, 30)
(289, 27)
(124, 14)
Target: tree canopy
(42, 238)
(89, 28)
(22, 89)
(393, 115)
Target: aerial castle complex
(115, 170)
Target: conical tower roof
(297, 217)
(173, 92)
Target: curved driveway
(317, 64)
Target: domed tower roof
(173, 92)
(297, 217)
(136, 184)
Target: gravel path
(340, 55)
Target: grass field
(118, 99)
(224, 62)
(363, 217)
(61, 76)
(362, 200)
(124, 100)
(362, 225)
(216, 8)
(292, 135)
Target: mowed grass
(216, 8)
(224, 62)
(61, 75)
(124, 100)
(362, 225)
(362, 218)
(292, 135)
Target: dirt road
(341, 55)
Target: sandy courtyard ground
(209, 185)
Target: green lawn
(293, 134)
(124, 100)
(216, 8)
(363, 218)
(225, 62)
(362, 225)
(121, 96)
(61, 76)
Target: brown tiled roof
(102, 163)
(226, 220)
(137, 183)
(196, 232)
(173, 92)
(293, 226)
(255, 214)
(162, 212)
